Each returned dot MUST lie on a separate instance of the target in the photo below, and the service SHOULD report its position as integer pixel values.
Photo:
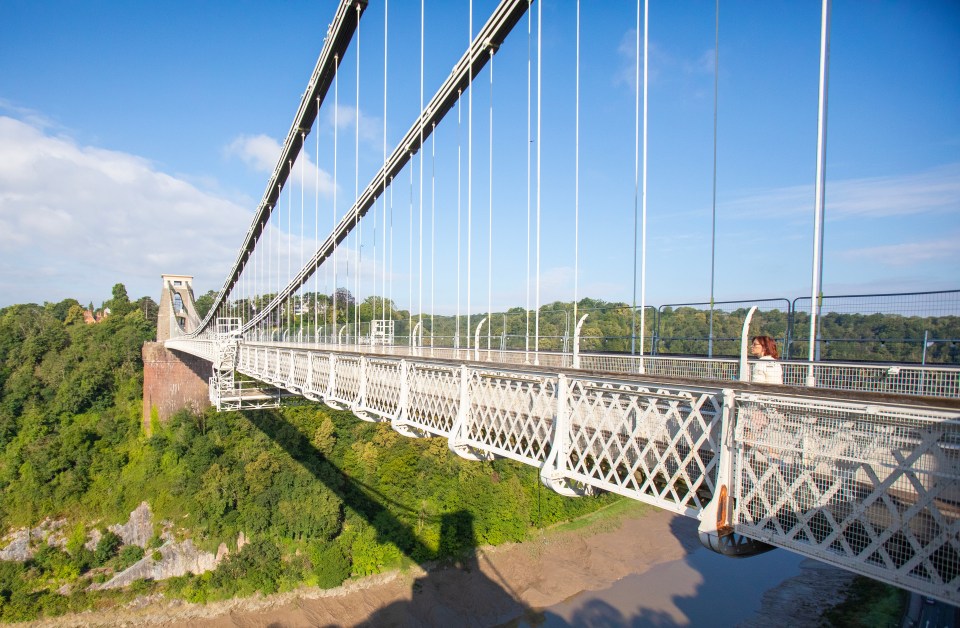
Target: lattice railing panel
(206, 349)
(434, 397)
(658, 445)
(300, 370)
(383, 387)
(320, 380)
(284, 364)
(346, 382)
(902, 379)
(271, 366)
(512, 415)
(245, 358)
(898, 379)
(875, 489)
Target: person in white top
(766, 370)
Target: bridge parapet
(874, 488)
(897, 379)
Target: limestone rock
(138, 530)
(19, 546)
(21, 543)
(177, 560)
(222, 552)
(93, 538)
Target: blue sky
(137, 139)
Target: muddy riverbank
(530, 583)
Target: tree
(120, 303)
(325, 437)
(107, 547)
(75, 315)
(149, 308)
(345, 303)
(62, 309)
(205, 302)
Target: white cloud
(371, 127)
(625, 73)
(906, 254)
(261, 153)
(75, 219)
(705, 64)
(937, 189)
(626, 68)
(934, 190)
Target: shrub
(128, 556)
(331, 565)
(106, 548)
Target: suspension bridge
(856, 465)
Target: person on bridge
(766, 370)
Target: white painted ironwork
(576, 341)
(433, 397)
(897, 379)
(872, 488)
(381, 332)
(226, 391)
(653, 443)
(744, 341)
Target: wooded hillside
(321, 495)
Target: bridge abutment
(172, 381)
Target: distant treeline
(608, 328)
(322, 495)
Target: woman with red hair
(766, 370)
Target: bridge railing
(874, 488)
(902, 379)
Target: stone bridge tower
(172, 380)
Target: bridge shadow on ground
(455, 592)
(699, 589)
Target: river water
(701, 589)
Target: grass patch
(605, 519)
(869, 603)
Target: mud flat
(647, 568)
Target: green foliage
(107, 547)
(77, 538)
(325, 437)
(204, 303)
(320, 494)
(82, 560)
(63, 309)
(120, 303)
(257, 567)
(129, 555)
(148, 307)
(55, 562)
(331, 564)
(868, 603)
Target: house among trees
(91, 317)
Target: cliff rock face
(177, 560)
(18, 543)
(138, 530)
(19, 546)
